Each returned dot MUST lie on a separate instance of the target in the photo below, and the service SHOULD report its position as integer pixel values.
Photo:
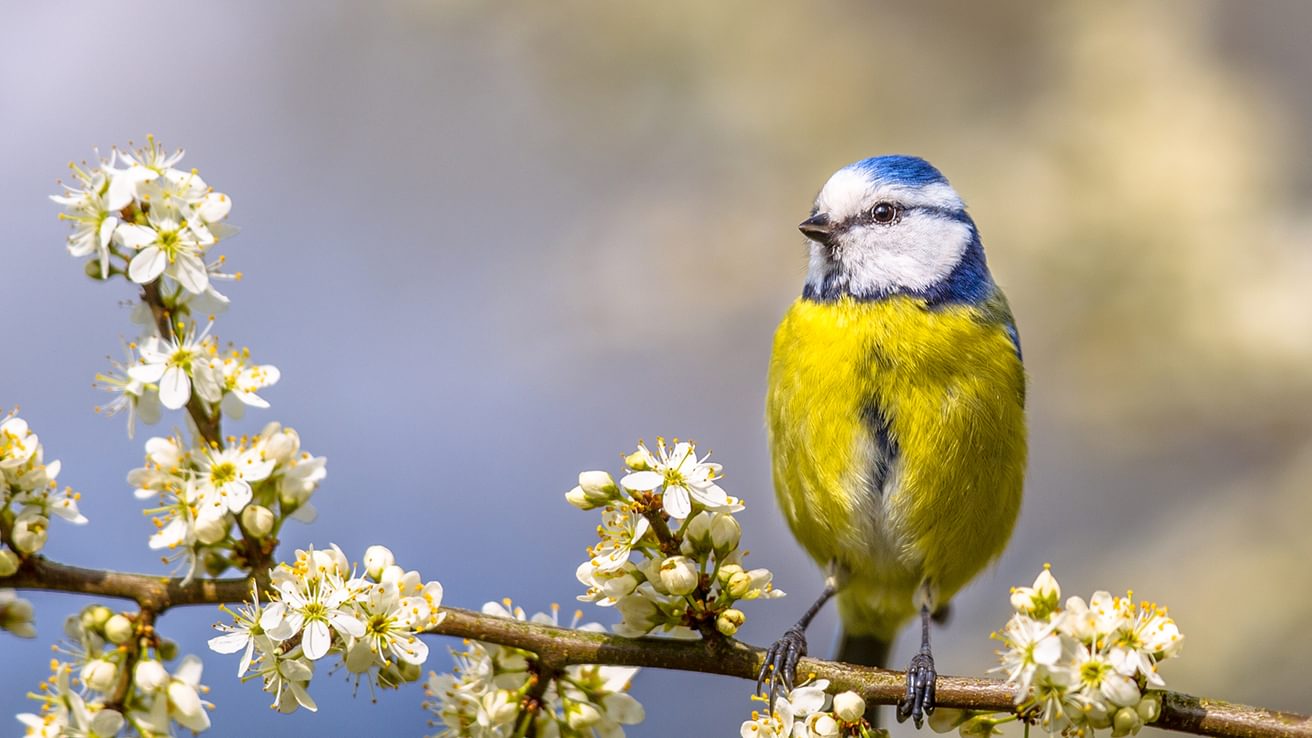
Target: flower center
(182, 359)
(315, 611)
(168, 243)
(1091, 672)
(378, 625)
(223, 473)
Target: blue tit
(896, 413)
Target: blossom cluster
(488, 695)
(810, 712)
(103, 645)
(214, 500)
(680, 579)
(31, 496)
(1086, 666)
(169, 371)
(318, 606)
(136, 213)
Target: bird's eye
(884, 212)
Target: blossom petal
(229, 642)
(642, 481)
(677, 502)
(316, 640)
(174, 388)
(190, 272)
(346, 623)
(106, 231)
(147, 265)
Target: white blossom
(682, 479)
(177, 365)
(1087, 666)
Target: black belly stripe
(886, 450)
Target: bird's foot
(779, 670)
(919, 700)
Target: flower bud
(1150, 707)
(581, 716)
(118, 629)
(8, 562)
(280, 445)
(739, 584)
(29, 534)
(849, 707)
(100, 675)
(1040, 600)
(167, 650)
(210, 529)
(392, 574)
(578, 498)
(730, 621)
(149, 675)
(257, 520)
(186, 706)
(376, 559)
(946, 719)
(596, 489)
(679, 575)
(215, 563)
(639, 613)
(1126, 722)
(821, 725)
(598, 484)
(725, 533)
(408, 672)
(637, 461)
(94, 617)
(726, 573)
(16, 617)
(698, 533)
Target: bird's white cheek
(914, 254)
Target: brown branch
(560, 647)
(1180, 712)
(152, 593)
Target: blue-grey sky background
(491, 246)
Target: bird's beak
(817, 228)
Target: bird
(895, 411)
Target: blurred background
(492, 245)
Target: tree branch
(152, 593)
(1180, 712)
(562, 647)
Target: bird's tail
(866, 650)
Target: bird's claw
(779, 669)
(919, 700)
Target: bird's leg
(919, 700)
(780, 666)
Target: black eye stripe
(865, 217)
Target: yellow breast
(938, 390)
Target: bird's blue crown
(911, 171)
